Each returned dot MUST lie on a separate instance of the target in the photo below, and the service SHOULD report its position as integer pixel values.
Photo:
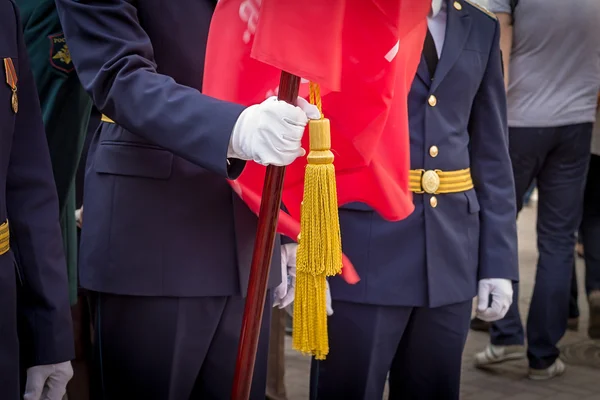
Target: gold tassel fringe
(320, 248)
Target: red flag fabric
(307, 31)
(364, 54)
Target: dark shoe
(480, 325)
(573, 324)
(594, 327)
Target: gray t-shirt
(555, 62)
(596, 136)
(483, 3)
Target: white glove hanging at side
(501, 292)
(270, 133)
(48, 382)
(286, 291)
(79, 217)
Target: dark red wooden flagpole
(261, 261)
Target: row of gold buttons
(433, 150)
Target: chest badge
(60, 56)
(11, 81)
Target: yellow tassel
(320, 248)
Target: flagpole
(261, 260)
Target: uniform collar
(436, 7)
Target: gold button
(432, 101)
(433, 151)
(433, 201)
(457, 5)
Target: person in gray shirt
(590, 236)
(551, 53)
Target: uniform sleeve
(46, 333)
(492, 173)
(499, 6)
(114, 59)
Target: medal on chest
(11, 81)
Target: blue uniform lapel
(423, 71)
(457, 31)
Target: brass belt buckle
(430, 181)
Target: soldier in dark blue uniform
(33, 272)
(165, 241)
(409, 314)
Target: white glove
(501, 291)
(270, 133)
(286, 291)
(48, 382)
(79, 217)
(328, 301)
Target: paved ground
(509, 381)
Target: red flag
(364, 54)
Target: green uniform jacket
(65, 108)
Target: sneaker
(497, 354)
(594, 326)
(556, 369)
(534, 196)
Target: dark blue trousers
(589, 235)
(557, 158)
(574, 299)
(590, 226)
(159, 348)
(421, 348)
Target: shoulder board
(482, 9)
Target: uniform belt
(4, 238)
(438, 182)
(104, 118)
